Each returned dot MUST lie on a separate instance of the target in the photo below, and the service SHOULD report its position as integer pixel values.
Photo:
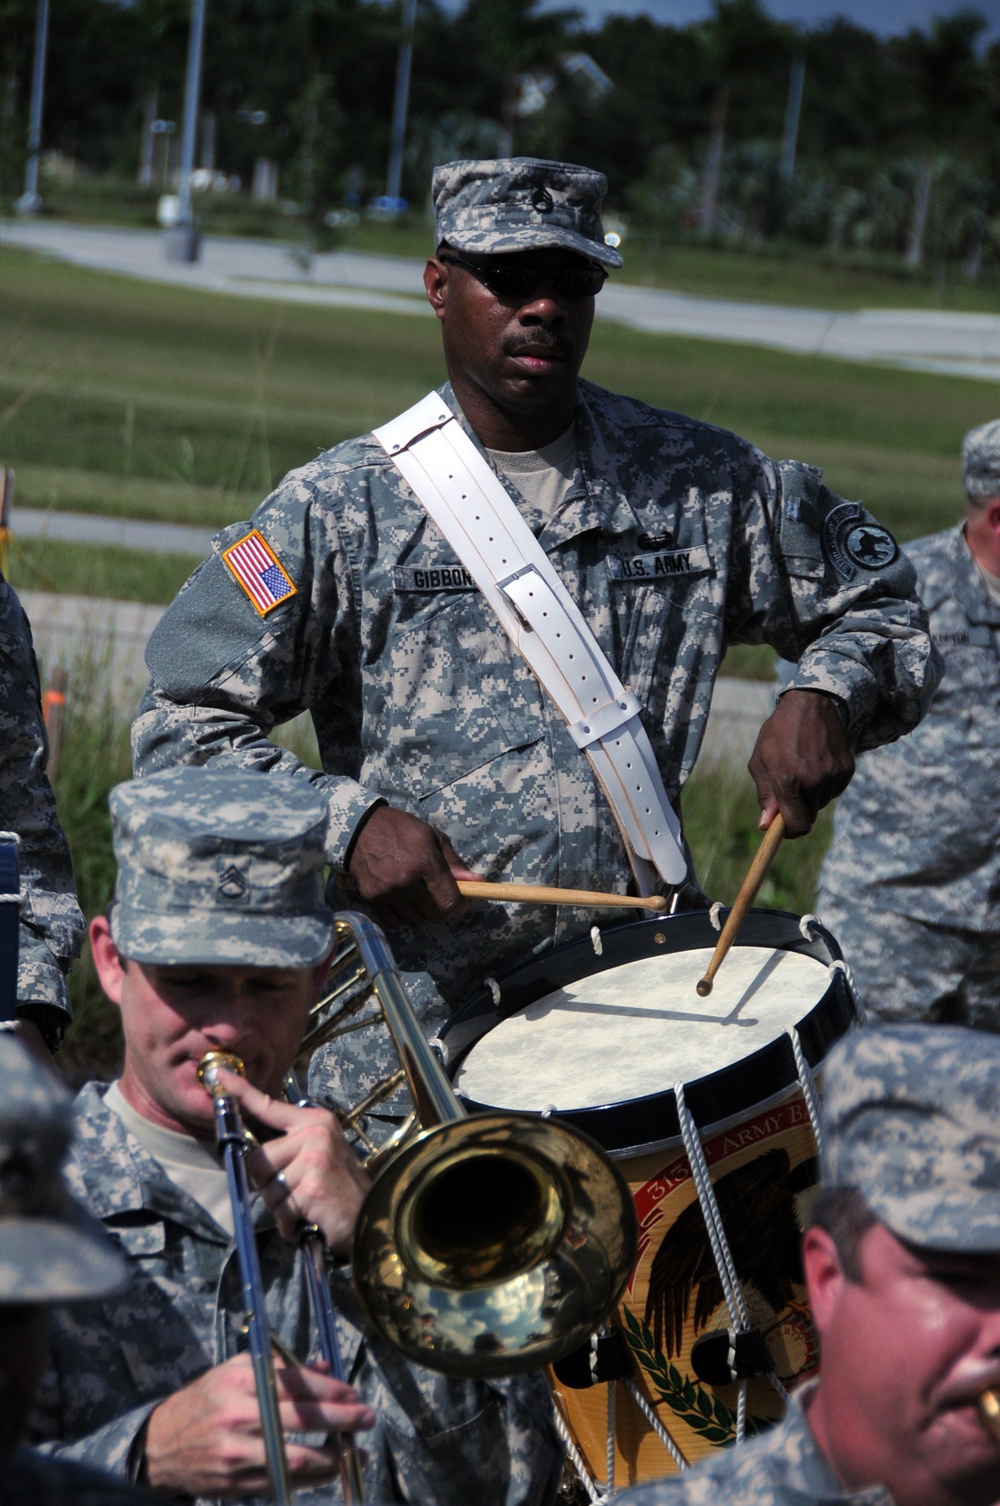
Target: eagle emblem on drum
(757, 1204)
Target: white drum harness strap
(10, 918)
(466, 500)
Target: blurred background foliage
(896, 154)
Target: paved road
(957, 344)
(91, 528)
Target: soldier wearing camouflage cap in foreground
(911, 883)
(902, 1264)
(442, 758)
(219, 939)
(51, 925)
(51, 1251)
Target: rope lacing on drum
(656, 1425)
(589, 1484)
(724, 1263)
(715, 915)
(609, 1467)
(808, 1084)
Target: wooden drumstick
(748, 893)
(542, 894)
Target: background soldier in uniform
(442, 757)
(218, 939)
(50, 1251)
(902, 1262)
(51, 928)
(911, 883)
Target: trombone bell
(494, 1244)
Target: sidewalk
(71, 629)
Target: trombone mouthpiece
(208, 1068)
(988, 1407)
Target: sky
(884, 16)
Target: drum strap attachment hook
(728, 1355)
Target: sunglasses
(519, 279)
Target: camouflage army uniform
(784, 1468)
(911, 883)
(443, 1442)
(29, 1479)
(675, 541)
(51, 923)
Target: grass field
(146, 401)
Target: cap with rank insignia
(220, 865)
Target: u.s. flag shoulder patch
(259, 571)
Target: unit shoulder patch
(850, 540)
(258, 571)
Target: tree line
(740, 128)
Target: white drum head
(634, 1030)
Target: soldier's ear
(108, 963)
(436, 275)
(824, 1275)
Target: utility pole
(182, 241)
(793, 111)
(404, 64)
(30, 201)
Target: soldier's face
(905, 1352)
(509, 356)
(171, 1016)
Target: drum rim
(727, 1095)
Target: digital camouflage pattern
(783, 1468)
(676, 540)
(981, 460)
(450, 1441)
(29, 1479)
(52, 926)
(521, 204)
(216, 867)
(50, 1250)
(913, 1122)
(911, 883)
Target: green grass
(97, 570)
(130, 398)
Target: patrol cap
(981, 460)
(912, 1117)
(51, 1250)
(220, 865)
(521, 204)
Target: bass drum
(609, 1033)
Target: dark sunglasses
(518, 279)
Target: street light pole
(30, 202)
(182, 241)
(404, 63)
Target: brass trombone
(487, 1245)
(491, 1243)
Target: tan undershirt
(545, 477)
(192, 1165)
(991, 582)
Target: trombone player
(219, 940)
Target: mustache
(538, 342)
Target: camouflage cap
(521, 204)
(50, 1249)
(912, 1118)
(981, 460)
(220, 865)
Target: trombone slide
(234, 1145)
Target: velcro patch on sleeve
(259, 571)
